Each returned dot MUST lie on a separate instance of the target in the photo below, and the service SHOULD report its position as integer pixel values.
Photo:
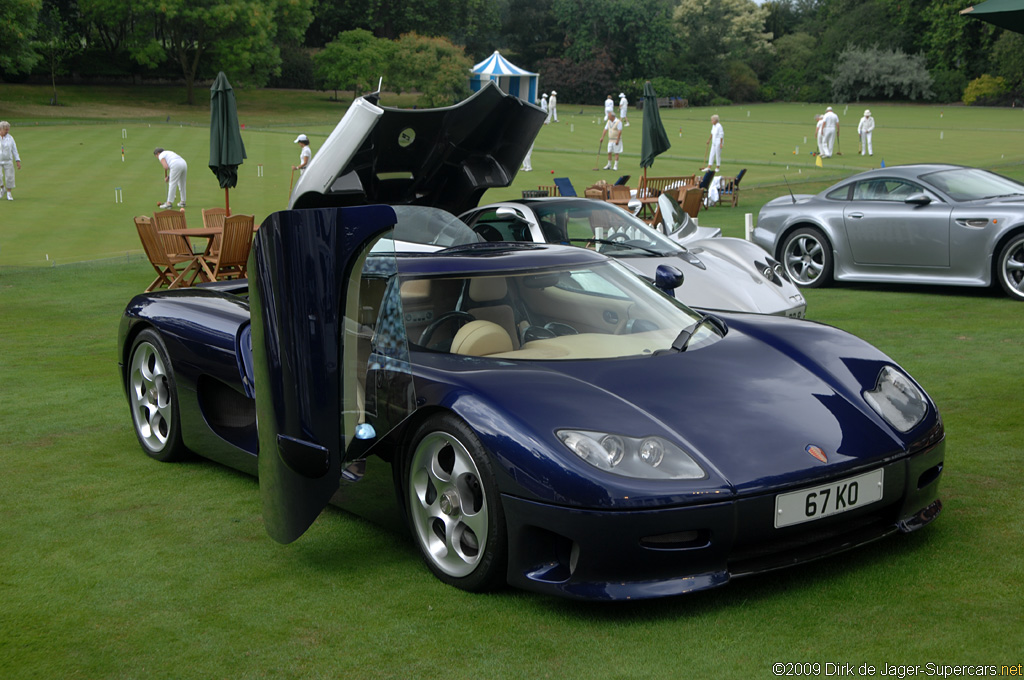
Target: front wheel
(453, 506)
(1010, 267)
(807, 257)
(153, 399)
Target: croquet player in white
(614, 129)
(175, 174)
(305, 155)
(8, 158)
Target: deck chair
(173, 219)
(690, 199)
(565, 187)
(621, 181)
(730, 188)
(168, 266)
(231, 260)
(214, 217)
(705, 184)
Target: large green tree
(716, 33)
(636, 36)
(353, 61)
(17, 27)
(239, 37)
(435, 67)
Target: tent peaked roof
(497, 65)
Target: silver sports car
(924, 224)
(721, 274)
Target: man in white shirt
(623, 105)
(544, 107)
(864, 130)
(614, 129)
(175, 174)
(829, 132)
(715, 143)
(609, 106)
(9, 158)
(553, 106)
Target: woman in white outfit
(715, 141)
(864, 129)
(9, 158)
(175, 174)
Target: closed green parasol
(227, 151)
(653, 138)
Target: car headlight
(642, 457)
(897, 399)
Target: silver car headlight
(897, 399)
(642, 457)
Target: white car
(719, 273)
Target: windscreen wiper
(619, 244)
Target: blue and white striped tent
(510, 78)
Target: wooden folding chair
(173, 219)
(214, 217)
(690, 199)
(166, 264)
(231, 260)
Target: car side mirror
(511, 212)
(667, 278)
(918, 199)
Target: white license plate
(829, 499)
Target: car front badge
(817, 452)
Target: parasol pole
(227, 207)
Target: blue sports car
(535, 414)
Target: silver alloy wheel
(149, 392)
(1011, 268)
(447, 504)
(805, 258)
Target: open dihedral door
(308, 324)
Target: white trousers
(715, 157)
(176, 178)
(865, 140)
(7, 174)
(828, 141)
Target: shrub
(947, 85)
(986, 90)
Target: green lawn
(115, 566)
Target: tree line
(703, 51)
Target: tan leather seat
(480, 338)
(488, 300)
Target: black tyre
(454, 507)
(807, 257)
(153, 399)
(1010, 267)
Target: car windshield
(431, 226)
(597, 311)
(613, 230)
(972, 184)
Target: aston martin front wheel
(453, 505)
(1010, 267)
(153, 398)
(807, 257)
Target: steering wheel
(488, 233)
(429, 331)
